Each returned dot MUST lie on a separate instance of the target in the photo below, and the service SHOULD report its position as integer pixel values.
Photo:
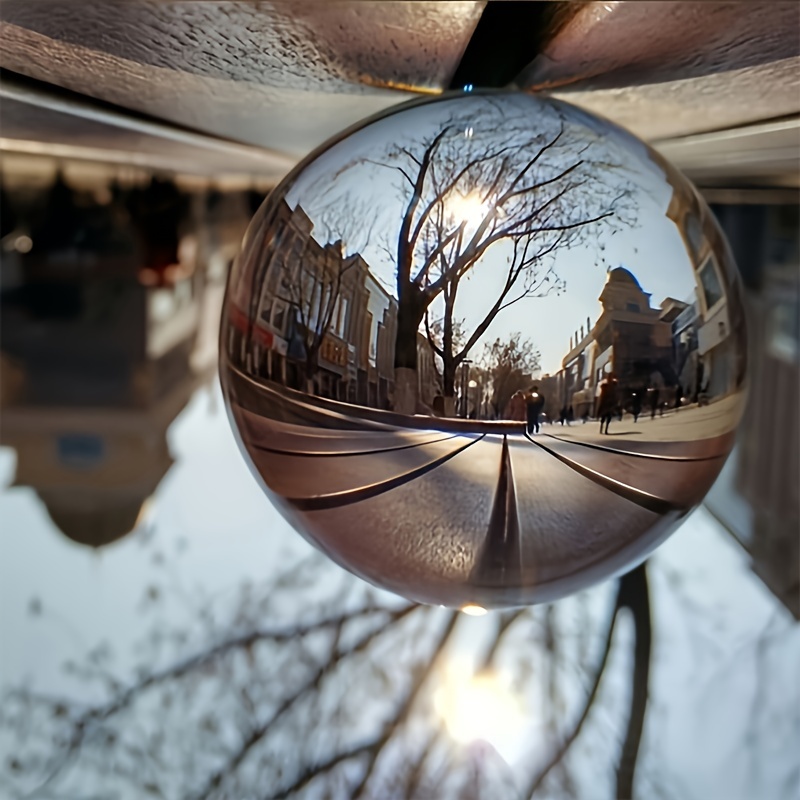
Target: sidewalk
(688, 423)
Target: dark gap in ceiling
(508, 36)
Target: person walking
(607, 402)
(534, 402)
(636, 404)
(653, 396)
(515, 410)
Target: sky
(364, 202)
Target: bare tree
(468, 187)
(304, 275)
(312, 289)
(338, 699)
(509, 363)
(444, 336)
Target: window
(341, 317)
(297, 251)
(632, 307)
(712, 290)
(313, 306)
(81, 450)
(694, 233)
(278, 316)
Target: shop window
(709, 279)
(278, 315)
(694, 233)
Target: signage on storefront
(334, 352)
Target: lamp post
(464, 379)
(471, 386)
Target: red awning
(260, 335)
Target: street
(484, 517)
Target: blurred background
(136, 141)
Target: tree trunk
(406, 390)
(449, 364)
(309, 370)
(449, 369)
(406, 383)
(635, 594)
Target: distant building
(376, 365)
(717, 332)
(98, 358)
(308, 316)
(630, 338)
(630, 335)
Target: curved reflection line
(500, 557)
(345, 453)
(650, 502)
(373, 418)
(337, 499)
(633, 453)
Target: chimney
(588, 325)
(571, 345)
(581, 332)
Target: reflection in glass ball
(484, 350)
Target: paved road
(454, 518)
(481, 517)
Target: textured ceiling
(36, 124)
(669, 69)
(286, 76)
(620, 45)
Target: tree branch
(573, 734)
(375, 745)
(85, 722)
(261, 730)
(404, 250)
(635, 595)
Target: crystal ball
(485, 349)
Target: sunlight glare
(480, 708)
(468, 208)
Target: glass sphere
(485, 349)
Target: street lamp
(473, 385)
(464, 379)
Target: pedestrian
(515, 410)
(607, 402)
(534, 402)
(570, 416)
(653, 396)
(562, 417)
(678, 396)
(636, 405)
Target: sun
(469, 208)
(478, 708)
